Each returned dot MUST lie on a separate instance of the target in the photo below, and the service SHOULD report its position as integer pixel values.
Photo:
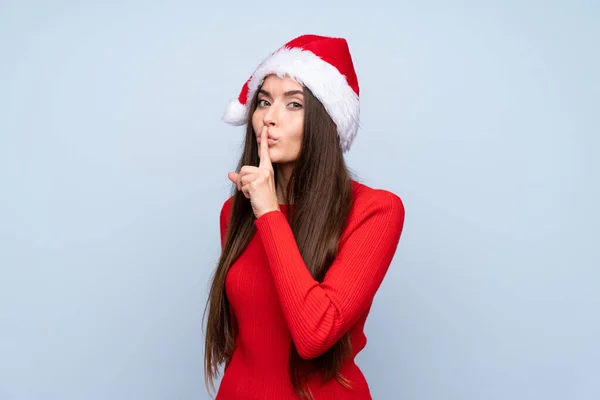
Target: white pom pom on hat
(322, 64)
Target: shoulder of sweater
(367, 198)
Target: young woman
(305, 247)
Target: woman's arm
(319, 314)
(223, 225)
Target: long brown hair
(321, 191)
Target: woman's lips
(270, 141)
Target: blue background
(482, 116)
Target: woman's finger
(248, 169)
(247, 178)
(234, 177)
(245, 190)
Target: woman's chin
(277, 158)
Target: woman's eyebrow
(293, 92)
(287, 94)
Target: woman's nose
(270, 117)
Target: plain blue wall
(482, 116)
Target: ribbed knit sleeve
(319, 314)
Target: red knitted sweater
(275, 299)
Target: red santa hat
(323, 65)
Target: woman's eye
(295, 105)
(263, 103)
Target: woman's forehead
(274, 83)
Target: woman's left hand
(258, 183)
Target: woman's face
(281, 108)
